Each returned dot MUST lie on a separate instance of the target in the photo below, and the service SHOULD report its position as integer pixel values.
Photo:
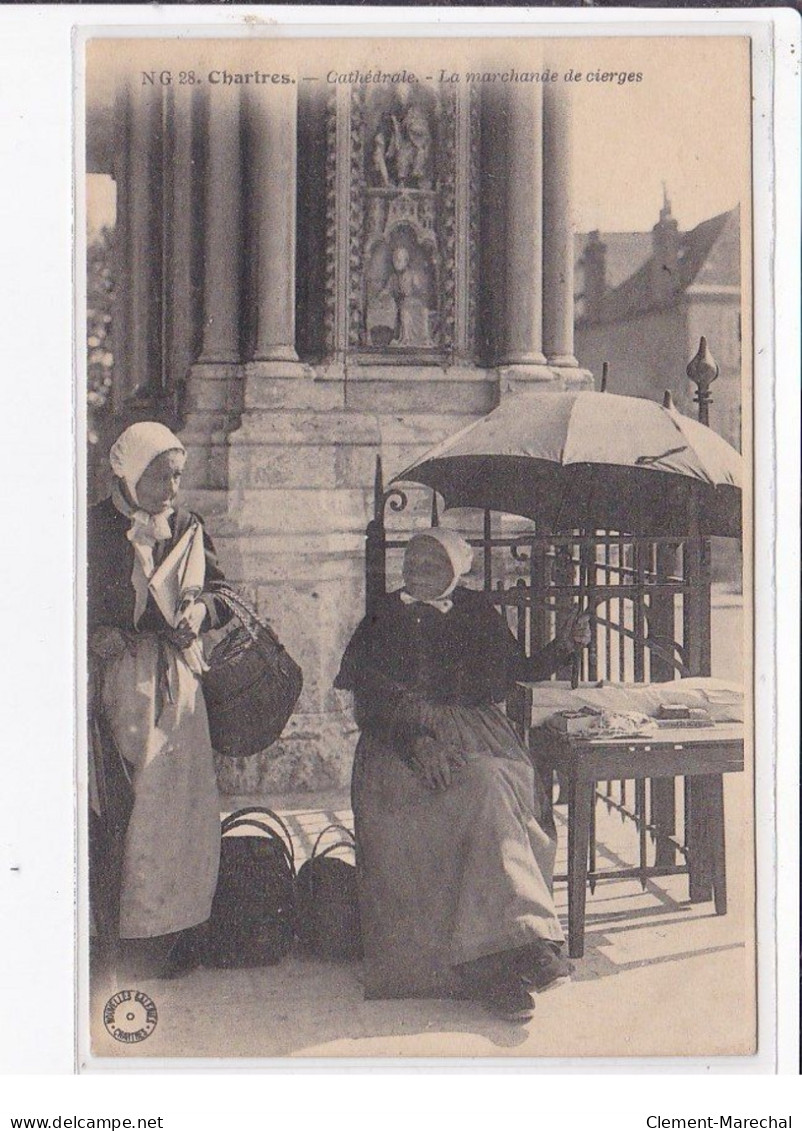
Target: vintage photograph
(416, 500)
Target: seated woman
(155, 840)
(455, 867)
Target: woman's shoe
(511, 1003)
(546, 966)
(505, 982)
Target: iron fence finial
(703, 370)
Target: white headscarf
(460, 557)
(137, 447)
(129, 457)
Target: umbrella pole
(576, 658)
(576, 668)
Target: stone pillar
(223, 240)
(183, 258)
(124, 381)
(558, 228)
(213, 394)
(298, 470)
(145, 234)
(522, 356)
(272, 111)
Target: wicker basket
(252, 685)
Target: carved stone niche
(402, 206)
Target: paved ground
(660, 977)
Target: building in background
(301, 283)
(645, 298)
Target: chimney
(594, 263)
(665, 255)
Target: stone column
(124, 381)
(272, 111)
(298, 468)
(523, 357)
(223, 240)
(558, 228)
(182, 261)
(213, 394)
(145, 234)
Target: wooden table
(699, 755)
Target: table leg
(544, 791)
(698, 839)
(580, 805)
(714, 792)
(664, 820)
(641, 820)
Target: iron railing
(648, 598)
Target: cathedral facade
(308, 275)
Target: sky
(685, 126)
(101, 200)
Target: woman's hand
(190, 623)
(575, 633)
(435, 763)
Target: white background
(36, 615)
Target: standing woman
(149, 716)
(455, 860)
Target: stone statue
(402, 154)
(400, 292)
(409, 288)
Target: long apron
(172, 844)
(453, 875)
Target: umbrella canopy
(592, 461)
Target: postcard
(446, 343)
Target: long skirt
(172, 843)
(450, 876)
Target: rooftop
(707, 255)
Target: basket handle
(240, 607)
(313, 877)
(333, 848)
(244, 616)
(270, 835)
(349, 842)
(251, 817)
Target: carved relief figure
(400, 294)
(402, 151)
(401, 256)
(409, 288)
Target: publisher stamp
(130, 1016)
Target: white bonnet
(458, 550)
(418, 565)
(137, 447)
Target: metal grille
(648, 599)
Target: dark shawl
(405, 655)
(110, 560)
